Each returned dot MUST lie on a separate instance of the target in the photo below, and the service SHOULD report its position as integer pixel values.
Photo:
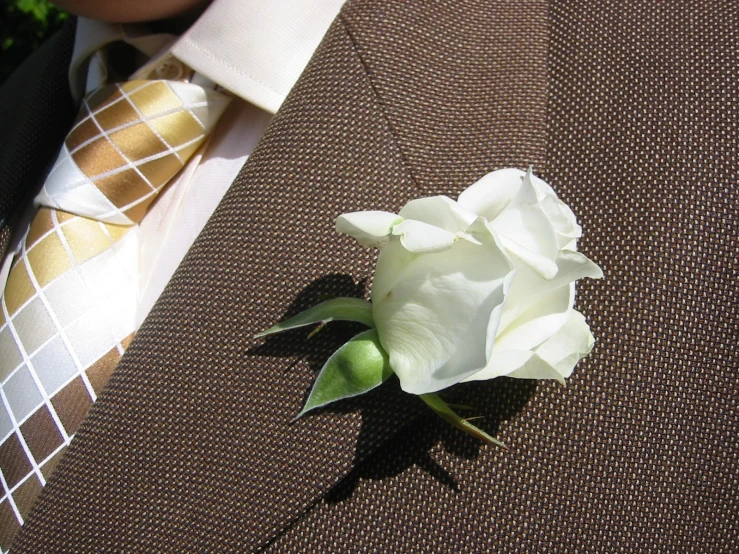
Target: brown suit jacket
(629, 110)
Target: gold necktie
(69, 305)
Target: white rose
(477, 288)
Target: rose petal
(534, 308)
(536, 324)
(420, 237)
(541, 264)
(502, 363)
(526, 232)
(432, 311)
(554, 359)
(569, 345)
(537, 368)
(563, 220)
(489, 196)
(439, 211)
(371, 229)
(495, 316)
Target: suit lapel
(196, 400)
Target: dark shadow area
(24, 27)
(319, 347)
(494, 401)
(398, 430)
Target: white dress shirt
(255, 49)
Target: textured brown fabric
(630, 111)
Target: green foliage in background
(24, 25)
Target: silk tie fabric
(69, 306)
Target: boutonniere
(463, 291)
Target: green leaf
(355, 368)
(444, 411)
(346, 309)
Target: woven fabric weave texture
(630, 112)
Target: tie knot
(128, 141)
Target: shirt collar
(91, 36)
(256, 49)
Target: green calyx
(361, 364)
(355, 368)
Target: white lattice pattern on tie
(69, 307)
(128, 141)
